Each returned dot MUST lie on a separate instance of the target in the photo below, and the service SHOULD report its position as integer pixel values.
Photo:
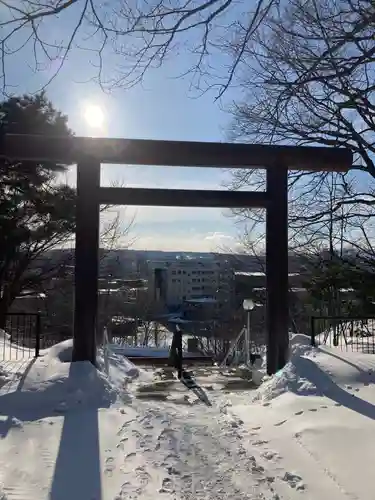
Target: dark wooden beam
(174, 153)
(86, 261)
(277, 268)
(182, 198)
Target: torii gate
(89, 153)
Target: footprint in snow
(167, 486)
(173, 471)
(137, 434)
(170, 461)
(257, 469)
(109, 466)
(148, 426)
(142, 475)
(280, 423)
(294, 480)
(121, 444)
(313, 409)
(236, 423)
(259, 442)
(299, 412)
(270, 455)
(124, 426)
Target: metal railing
(352, 333)
(21, 336)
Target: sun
(94, 116)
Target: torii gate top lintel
(175, 153)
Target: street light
(248, 306)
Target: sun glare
(94, 116)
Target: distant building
(178, 281)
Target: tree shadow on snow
(77, 397)
(77, 468)
(77, 473)
(327, 387)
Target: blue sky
(163, 107)
(162, 110)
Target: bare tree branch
(309, 79)
(137, 35)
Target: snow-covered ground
(74, 432)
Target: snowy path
(189, 454)
(139, 451)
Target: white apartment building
(192, 279)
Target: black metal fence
(21, 336)
(346, 333)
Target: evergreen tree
(37, 209)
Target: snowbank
(118, 368)
(52, 384)
(299, 344)
(62, 351)
(119, 365)
(286, 380)
(51, 387)
(290, 378)
(302, 375)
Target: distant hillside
(240, 262)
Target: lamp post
(248, 306)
